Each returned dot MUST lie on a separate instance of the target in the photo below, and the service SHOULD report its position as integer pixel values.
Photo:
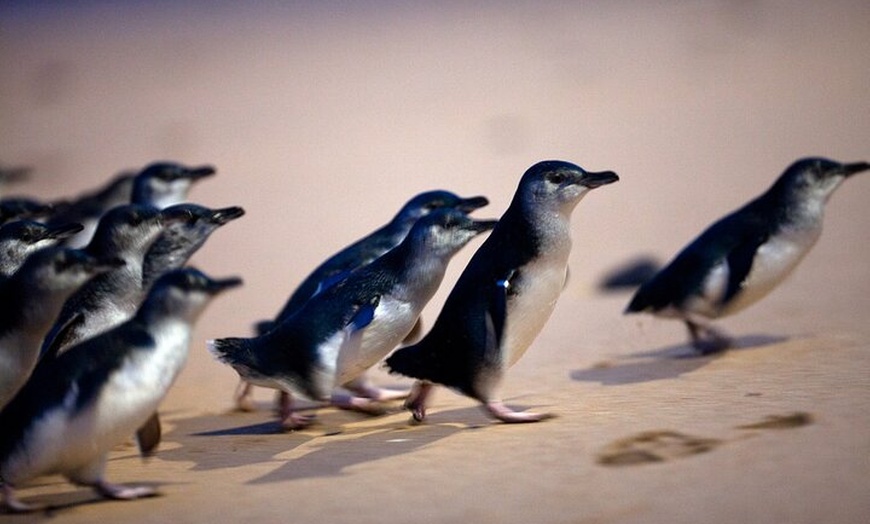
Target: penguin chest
(530, 301)
(773, 262)
(360, 350)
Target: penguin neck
(416, 265)
(544, 227)
(169, 251)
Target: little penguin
(18, 208)
(77, 407)
(162, 184)
(505, 295)
(30, 300)
(347, 328)
(360, 253)
(21, 238)
(125, 232)
(740, 258)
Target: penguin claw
(295, 421)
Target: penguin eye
(556, 178)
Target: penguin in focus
(743, 256)
(505, 295)
(358, 254)
(30, 300)
(347, 328)
(21, 238)
(125, 232)
(77, 407)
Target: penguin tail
(233, 351)
(264, 326)
(410, 361)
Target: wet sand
(323, 119)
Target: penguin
(18, 208)
(187, 228)
(11, 175)
(30, 299)
(358, 254)
(125, 232)
(20, 238)
(743, 256)
(505, 295)
(162, 184)
(347, 328)
(77, 407)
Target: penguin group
(97, 304)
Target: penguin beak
(593, 180)
(63, 231)
(857, 167)
(481, 226)
(222, 216)
(218, 286)
(200, 172)
(467, 205)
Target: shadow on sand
(663, 363)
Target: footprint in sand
(661, 446)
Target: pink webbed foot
(292, 419)
(503, 413)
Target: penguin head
(427, 202)
(184, 293)
(127, 229)
(558, 186)
(22, 237)
(815, 179)
(188, 225)
(162, 184)
(445, 231)
(22, 207)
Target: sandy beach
(323, 118)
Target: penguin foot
(503, 413)
(13, 505)
(376, 393)
(707, 340)
(365, 405)
(296, 420)
(243, 397)
(118, 492)
(417, 398)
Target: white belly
(392, 322)
(59, 443)
(528, 310)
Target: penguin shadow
(217, 441)
(333, 456)
(657, 446)
(663, 363)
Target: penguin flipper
(497, 311)
(740, 264)
(61, 337)
(363, 315)
(148, 436)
